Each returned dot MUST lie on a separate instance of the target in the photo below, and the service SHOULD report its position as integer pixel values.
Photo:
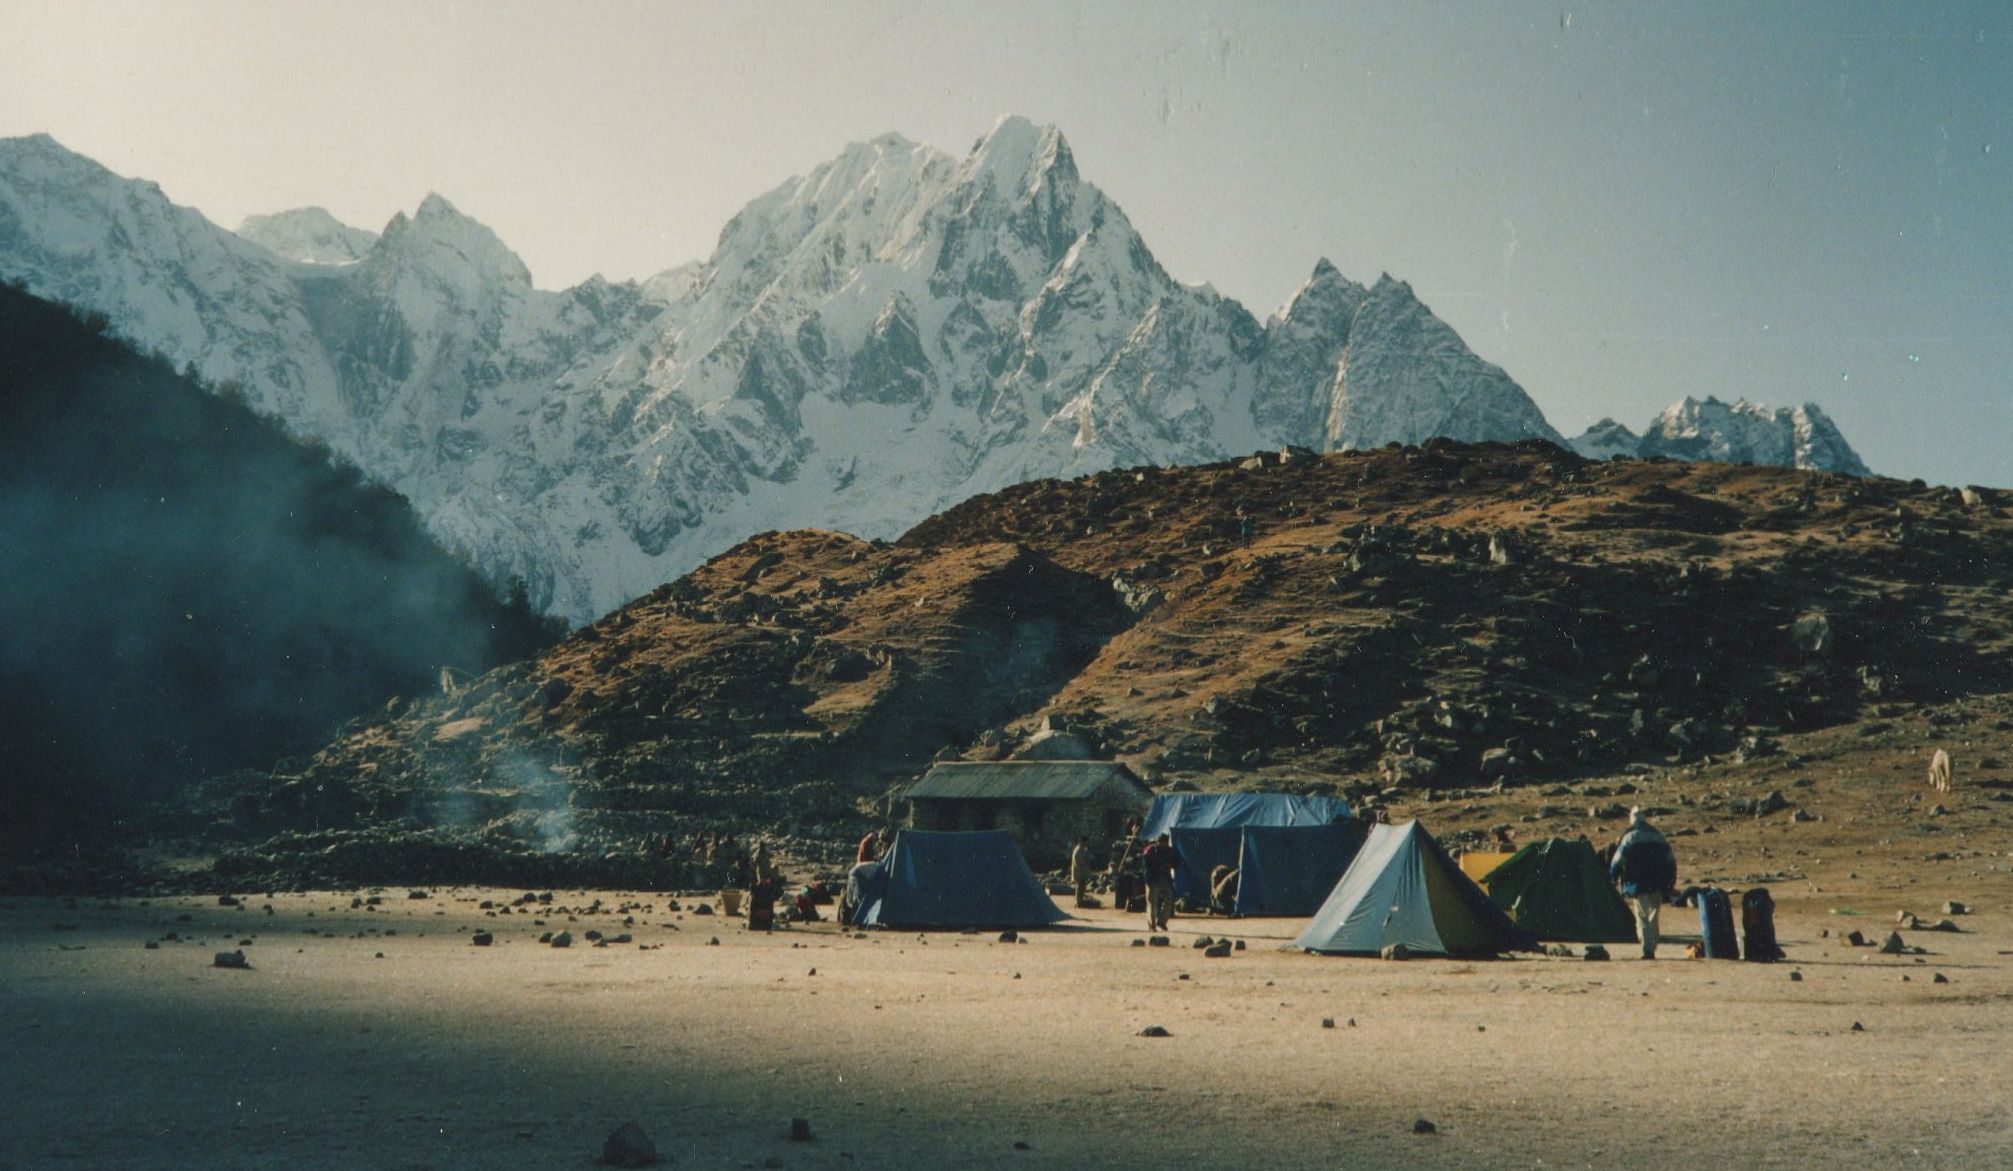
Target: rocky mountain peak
(1407, 376)
(1020, 156)
(1745, 432)
(308, 234)
(439, 239)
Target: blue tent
(1202, 851)
(955, 880)
(1174, 811)
(1404, 889)
(1281, 870)
(1289, 870)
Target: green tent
(1558, 889)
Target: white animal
(1939, 771)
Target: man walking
(1161, 861)
(1080, 870)
(1646, 869)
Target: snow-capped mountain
(869, 343)
(308, 234)
(1606, 440)
(1736, 432)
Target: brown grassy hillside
(1424, 620)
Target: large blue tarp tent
(1289, 870)
(1404, 889)
(955, 880)
(1202, 851)
(1281, 870)
(1172, 811)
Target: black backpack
(1757, 926)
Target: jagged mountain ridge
(308, 234)
(894, 332)
(1736, 432)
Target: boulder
(1893, 945)
(231, 959)
(1811, 634)
(1500, 764)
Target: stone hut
(1044, 804)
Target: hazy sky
(1620, 204)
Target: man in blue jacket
(1646, 869)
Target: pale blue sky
(1621, 204)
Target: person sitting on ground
(1646, 868)
(855, 893)
(1080, 870)
(1223, 890)
(804, 908)
(1161, 861)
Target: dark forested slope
(184, 588)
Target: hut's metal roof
(1022, 780)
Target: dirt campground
(380, 1037)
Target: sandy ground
(380, 1038)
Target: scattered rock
(227, 900)
(1893, 945)
(563, 939)
(1328, 1022)
(1907, 919)
(1953, 907)
(1424, 1127)
(1795, 977)
(1943, 925)
(1596, 952)
(1218, 950)
(1009, 936)
(1939, 978)
(1239, 945)
(628, 1147)
(1855, 939)
(1154, 1031)
(231, 959)
(482, 939)
(1857, 1027)
(1139, 943)
(800, 1130)
(1202, 942)
(1158, 941)
(1396, 951)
